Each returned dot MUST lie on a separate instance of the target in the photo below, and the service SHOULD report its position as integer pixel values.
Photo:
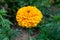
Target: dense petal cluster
(28, 16)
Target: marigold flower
(28, 16)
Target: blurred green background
(49, 28)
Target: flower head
(28, 16)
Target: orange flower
(28, 16)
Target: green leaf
(2, 36)
(57, 16)
(5, 38)
(3, 12)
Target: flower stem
(28, 34)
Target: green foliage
(3, 12)
(49, 28)
(14, 5)
(6, 33)
(57, 3)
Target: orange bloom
(28, 16)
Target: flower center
(28, 11)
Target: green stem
(28, 34)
